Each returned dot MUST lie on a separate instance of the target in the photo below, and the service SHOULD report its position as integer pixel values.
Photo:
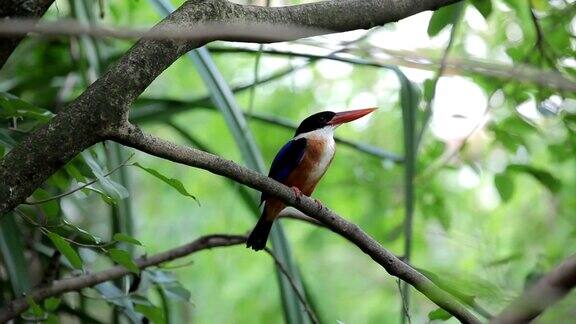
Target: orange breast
(318, 156)
(315, 162)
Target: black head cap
(314, 122)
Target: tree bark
(19, 9)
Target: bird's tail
(257, 239)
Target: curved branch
(104, 105)
(132, 136)
(18, 306)
(547, 291)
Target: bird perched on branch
(300, 164)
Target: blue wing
(287, 159)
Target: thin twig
(101, 246)
(301, 297)
(44, 229)
(34, 223)
(176, 266)
(455, 66)
(19, 305)
(150, 113)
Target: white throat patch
(325, 133)
(326, 137)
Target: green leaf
(73, 171)
(442, 18)
(115, 296)
(434, 205)
(174, 183)
(505, 186)
(509, 141)
(505, 260)
(67, 251)
(95, 239)
(13, 106)
(533, 277)
(161, 277)
(121, 237)
(409, 100)
(36, 310)
(124, 259)
(51, 208)
(152, 313)
(439, 314)
(449, 286)
(122, 211)
(12, 251)
(483, 6)
(103, 194)
(540, 5)
(177, 292)
(51, 304)
(428, 92)
(6, 140)
(114, 190)
(543, 176)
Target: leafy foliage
(123, 258)
(479, 200)
(121, 237)
(174, 183)
(64, 247)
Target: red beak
(350, 115)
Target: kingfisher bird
(300, 164)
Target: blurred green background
(493, 173)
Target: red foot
(297, 192)
(319, 204)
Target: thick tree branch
(10, 9)
(132, 136)
(18, 306)
(105, 104)
(547, 291)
